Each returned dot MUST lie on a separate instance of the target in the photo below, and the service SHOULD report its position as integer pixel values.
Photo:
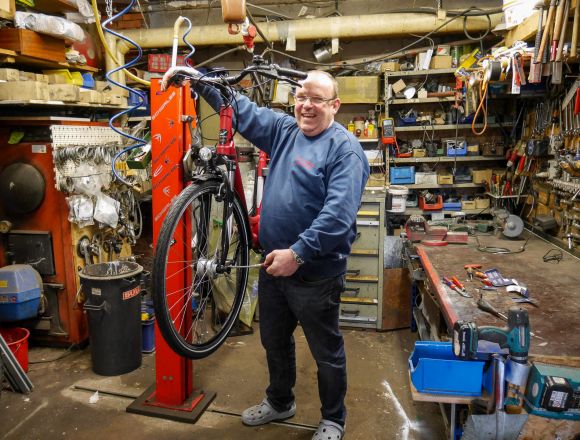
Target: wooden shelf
(447, 127)
(446, 159)
(450, 186)
(11, 57)
(420, 72)
(55, 6)
(445, 398)
(37, 103)
(422, 100)
(418, 211)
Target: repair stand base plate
(193, 412)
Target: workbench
(555, 286)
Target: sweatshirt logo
(301, 162)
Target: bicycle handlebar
(259, 66)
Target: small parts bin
(402, 175)
(436, 206)
(436, 370)
(20, 292)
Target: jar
(359, 125)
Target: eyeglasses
(315, 100)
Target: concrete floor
(378, 399)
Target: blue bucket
(148, 335)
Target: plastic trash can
(113, 307)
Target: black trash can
(113, 306)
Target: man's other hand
(280, 263)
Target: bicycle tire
(214, 317)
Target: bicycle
(205, 239)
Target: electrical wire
(464, 13)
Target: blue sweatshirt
(313, 189)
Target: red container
(17, 340)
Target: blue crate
(452, 206)
(88, 80)
(402, 175)
(436, 370)
(456, 147)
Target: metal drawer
(358, 314)
(367, 237)
(363, 265)
(360, 290)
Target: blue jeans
(285, 301)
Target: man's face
(315, 117)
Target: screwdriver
(487, 307)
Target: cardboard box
(390, 66)
(480, 176)
(441, 62)
(7, 9)
(26, 76)
(33, 44)
(56, 78)
(358, 89)
(9, 75)
(23, 91)
(41, 78)
(64, 92)
(399, 86)
(89, 96)
(111, 98)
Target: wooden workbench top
(554, 286)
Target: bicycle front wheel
(198, 299)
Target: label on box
(95, 291)
(3, 284)
(39, 148)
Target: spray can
(455, 56)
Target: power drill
(516, 337)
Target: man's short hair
(329, 76)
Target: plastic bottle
(350, 126)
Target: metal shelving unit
(447, 127)
(411, 160)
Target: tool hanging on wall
(535, 75)
(560, 33)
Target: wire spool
(234, 11)
(493, 71)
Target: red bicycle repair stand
(172, 396)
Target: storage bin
(455, 146)
(481, 176)
(468, 204)
(436, 370)
(481, 203)
(402, 175)
(452, 206)
(429, 178)
(436, 206)
(20, 287)
(445, 179)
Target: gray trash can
(113, 305)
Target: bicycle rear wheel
(196, 300)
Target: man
(316, 178)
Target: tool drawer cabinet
(361, 301)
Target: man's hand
(280, 263)
(172, 76)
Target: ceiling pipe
(345, 27)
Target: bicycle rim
(195, 305)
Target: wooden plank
(526, 31)
(541, 427)
(55, 6)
